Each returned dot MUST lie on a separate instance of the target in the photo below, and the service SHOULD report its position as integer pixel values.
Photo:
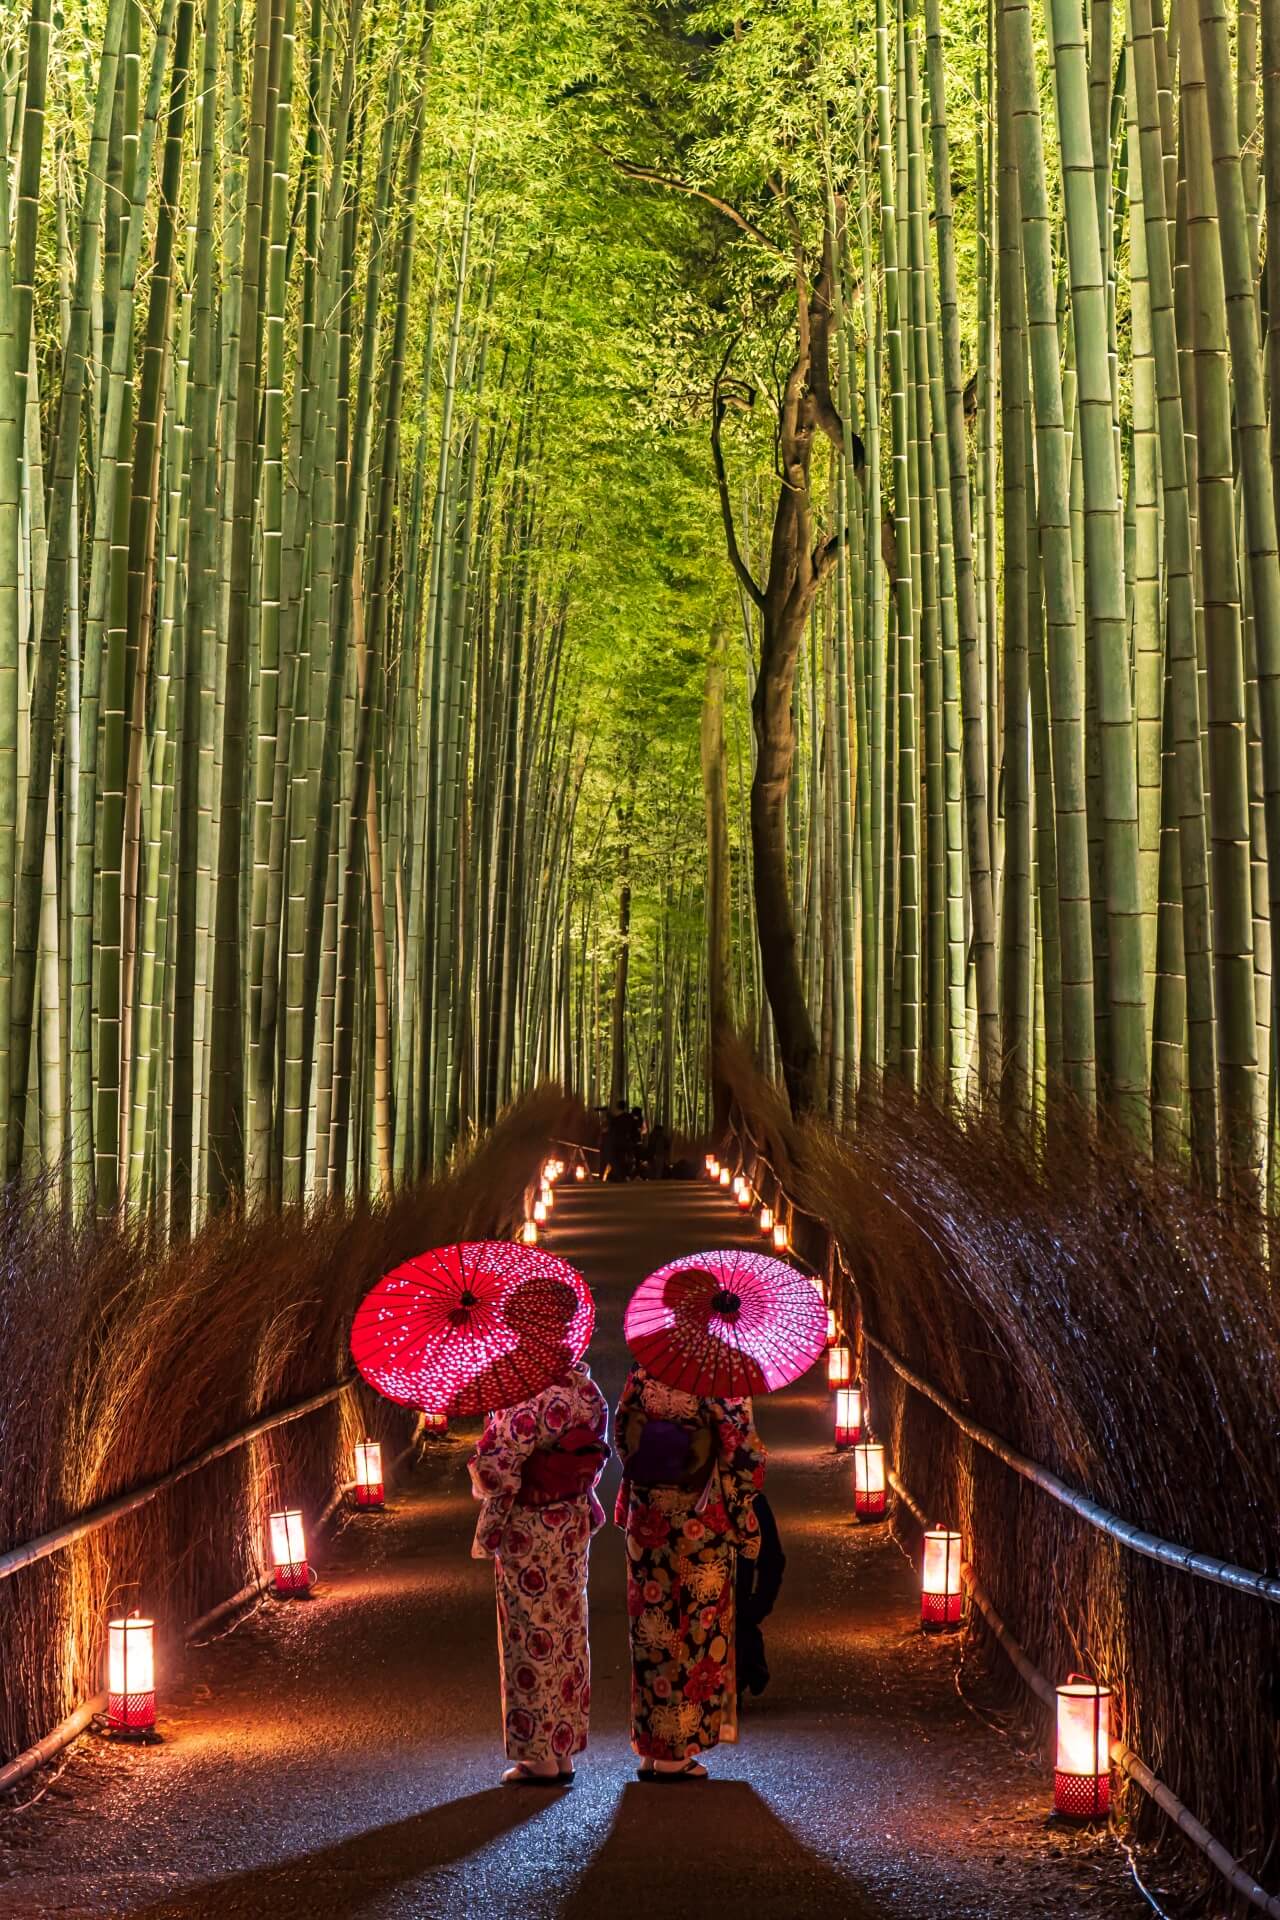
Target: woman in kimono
(691, 1471)
(534, 1474)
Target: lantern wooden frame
(941, 1588)
(131, 1679)
(870, 1481)
(291, 1576)
(370, 1487)
(848, 1416)
(1082, 1760)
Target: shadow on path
(343, 1881)
(741, 1858)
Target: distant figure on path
(659, 1151)
(759, 1582)
(691, 1471)
(619, 1144)
(534, 1473)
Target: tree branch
(675, 185)
(736, 560)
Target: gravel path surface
(340, 1759)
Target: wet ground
(340, 1759)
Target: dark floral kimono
(681, 1555)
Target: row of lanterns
(772, 1228)
(131, 1660)
(1082, 1769)
(540, 1212)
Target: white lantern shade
(289, 1552)
(1082, 1765)
(833, 1327)
(540, 1211)
(780, 1239)
(941, 1591)
(131, 1674)
(579, 1172)
(848, 1416)
(725, 1177)
(766, 1220)
(839, 1366)
(744, 1198)
(368, 1461)
(548, 1197)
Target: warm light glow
(869, 1495)
(579, 1172)
(131, 1674)
(369, 1488)
(766, 1220)
(848, 1416)
(833, 1327)
(1082, 1768)
(528, 1235)
(738, 1184)
(839, 1366)
(559, 1168)
(289, 1552)
(540, 1211)
(713, 1166)
(548, 1198)
(435, 1422)
(548, 1172)
(941, 1593)
(725, 1176)
(744, 1198)
(780, 1236)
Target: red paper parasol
(472, 1328)
(726, 1324)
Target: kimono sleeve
(741, 1463)
(629, 1419)
(496, 1467)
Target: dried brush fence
(120, 1360)
(1114, 1326)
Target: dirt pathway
(340, 1759)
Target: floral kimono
(540, 1568)
(681, 1566)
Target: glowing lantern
(766, 1220)
(1082, 1770)
(289, 1552)
(780, 1236)
(725, 1176)
(369, 1488)
(548, 1173)
(713, 1167)
(848, 1416)
(540, 1211)
(131, 1676)
(435, 1423)
(559, 1168)
(738, 1184)
(548, 1198)
(839, 1367)
(579, 1172)
(744, 1198)
(941, 1594)
(869, 1496)
(833, 1331)
(528, 1235)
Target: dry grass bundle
(120, 1359)
(1119, 1327)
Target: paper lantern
(725, 1176)
(435, 1422)
(839, 1366)
(559, 1168)
(540, 1211)
(833, 1328)
(941, 1592)
(738, 1184)
(579, 1172)
(548, 1197)
(370, 1491)
(548, 1172)
(744, 1198)
(131, 1676)
(848, 1416)
(528, 1234)
(289, 1552)
(780, 1240)
(1082, 1769)
(869, 1495)
(766, 1221)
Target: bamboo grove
(531, 537)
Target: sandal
(663, 1776)
(522, 1775)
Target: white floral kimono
(540, 1568)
